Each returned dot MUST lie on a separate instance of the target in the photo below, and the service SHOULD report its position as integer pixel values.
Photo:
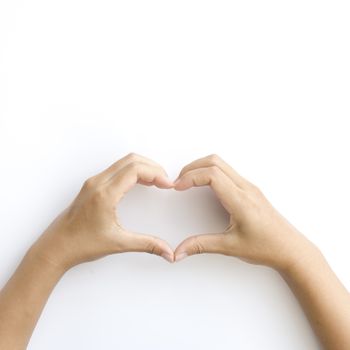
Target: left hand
(257, 232)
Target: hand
(257, 233)
(89, 229)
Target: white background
(265, 84)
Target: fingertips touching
(183, 184)
(164, 251)
(180, 256)
(169, 257)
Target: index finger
(215, 160)
(134, 173)
(226, 190)
(108, 173)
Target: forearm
(324, 299)
(23, 299)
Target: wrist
(304, 254)
(43, 268)
(50, 254)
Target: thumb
(198, 244)
(137, 242)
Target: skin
(88, 229)
(260, 235)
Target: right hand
(257, 233)
(89, 228)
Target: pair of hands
(89, 229)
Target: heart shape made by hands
(171, 215)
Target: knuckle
(152, 245)
(214, 170)
(132, 156)
(90, 183)
(214, 158)
(133, 166)
(197, 246)
(254, 188)
(99, 195)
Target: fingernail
(168, 257)
(180, 256)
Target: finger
(199, 244)
(137, 172)
(123, 162)
(136, 242)
(215, 160)
(145, 183)
(226, 190)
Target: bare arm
(259, 234)
(23, 299)
(85, 231)
(323, 297)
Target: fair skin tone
(89, 229)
